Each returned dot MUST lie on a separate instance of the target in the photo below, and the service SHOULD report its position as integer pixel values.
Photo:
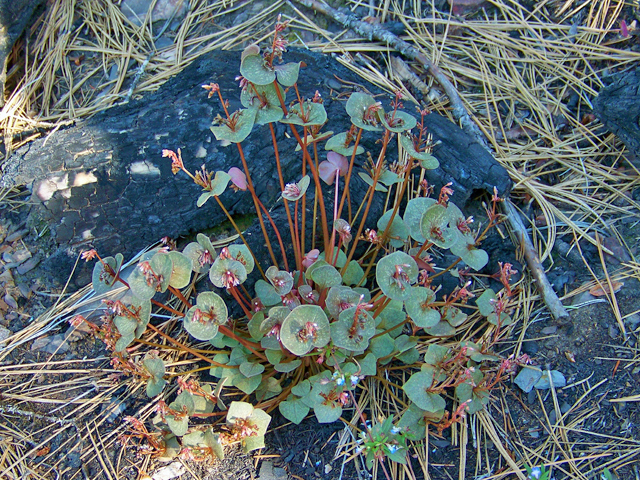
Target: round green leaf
(337, 144)
(435, 228)
(416, 208)
(202, 320)
(104, 278)
(357, 106)
(398, 123)
(254, 69)
(249, 369)
(354, 328)
(398, 231)
(287, 73)
(282, 281)
(311, 114)
(395, 273)
(328, 413)
(418, 309)
(416, 389)
(226, 272)
(326, 276)
(242, 254)
(427, 160)
(241, 130)
(305, 328)
(181, 269)
(266, 293)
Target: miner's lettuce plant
(320, 324)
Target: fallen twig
(549, 296)
(377, 32)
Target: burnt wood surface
(618, 107)
(103, 182)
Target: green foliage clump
(319, 326)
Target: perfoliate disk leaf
(435, 228)
(200, 257)
(151, 276)
(287, 73)
(395, 273)
(398, 123)
(244, 121)
(337, 144)
(354, 328)
(398, 231)
(326, 276)
(181, 269)
(104, 278)
(294, 410)
(266, 293)
(305, 328)
(369, 181)
(254, 69)
(202, 320)
(226, 273)
(295, 191)
(243, 255)
(353, 273)
(282, 281)
(264, 99)
(339, 299)
(427, 160)
(418, 309)
(364, 111)
(310, 115)
(413, 216)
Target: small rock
(531, 397)
(544, 383)
(21, 256)
(4, 334)
(549, 330)
(633, 320)
(527, 378)
(28, 265)
(613, 331)
(54, 345)
(173, 470)
(530, 347)
(582, 298)
(565, 407)
(534, 433)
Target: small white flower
(395, 430)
